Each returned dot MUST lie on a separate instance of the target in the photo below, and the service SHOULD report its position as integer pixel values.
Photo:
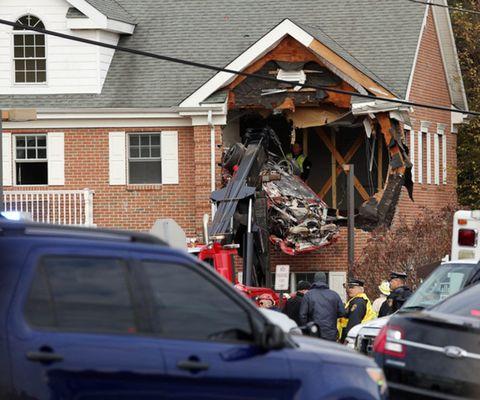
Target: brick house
(121, 140)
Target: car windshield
(465, 304)
(446, 280)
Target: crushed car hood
(297, 217)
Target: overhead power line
(231, 71)
(464, 10)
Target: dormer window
(29, 53)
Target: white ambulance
(466, 228)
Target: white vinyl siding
(7, 158)
(117, 158)
(56, 158)
(169, 140)
(336, 280)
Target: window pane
(90, 294)
(145, 152)
(42, 153)
(40, 51)
(38, 308)
(18, 53)
(30, 65)
(465, 304)
(29, 40)
(30, 51)
(134, 140)
(20, 65)
(31, 77)
(20, 77)
(31, 154)
(42, 141)
(188, 306)
(145, 172)
(144, 140)
(31, 141)
(155, 140)
(40, 40)
(31, 173)
(41, 76)
(155, 151)
(20, 154)
(18, 40)
(20, 141)
(134, 152)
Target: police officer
(359, 308)
(301, 160)
(399, 291)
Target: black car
(434, 353)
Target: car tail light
(467, 237)
(387, 342)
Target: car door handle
(44, 357)
(192, 365)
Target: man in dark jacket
(322, 306)
(399, 294)
(292, 306)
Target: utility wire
(464, 10)
(231, 71)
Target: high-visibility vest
(299, 160)
(369, 314)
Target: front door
(206, 335)
(74, 330)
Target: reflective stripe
(299, 160)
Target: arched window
(29, 52)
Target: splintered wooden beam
(387, 129)
(380, 163)
(333, 178)
(338, 169)
(340, 160)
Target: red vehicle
(249, 215)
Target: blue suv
(95, 314)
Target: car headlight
(377, 376)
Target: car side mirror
(311, 329)
(272, 338)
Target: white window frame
(129, 134)
(436, 157)
(428, 137)
(420, 157)
(411, 134)
(26, 160)
(441, 132)
(13, 58)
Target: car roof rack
(8, 227)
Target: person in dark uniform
(358, 308)
(399, 294)
(292, 306)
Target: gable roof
(112, 10)
(379, 38)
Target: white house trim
(253, 53)
(412, 72)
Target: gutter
(212, 155)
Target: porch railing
(64, 207)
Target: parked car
(95, 314)
(445, 280)
(435, 352)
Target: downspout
(212, 155)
